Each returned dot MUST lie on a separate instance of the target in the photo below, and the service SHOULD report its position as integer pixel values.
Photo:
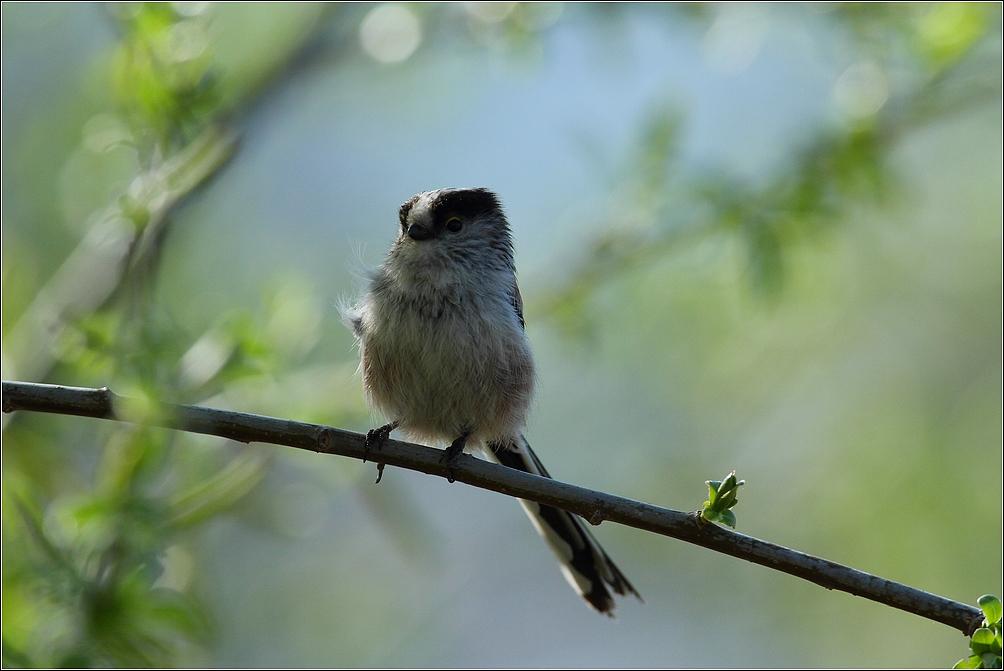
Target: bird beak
(416, 232)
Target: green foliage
(916, 65)
(986, 641)
(92, 573)
(721, 500)
(96, 573)
(162, 70)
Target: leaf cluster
(163, 70)
(721, 500)
(985, 643)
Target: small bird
(446, 359)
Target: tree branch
(591, 505)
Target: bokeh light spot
(390, 33)
(861, 91)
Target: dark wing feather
(517, 303)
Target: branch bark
(592, 505)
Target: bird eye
(453, 224)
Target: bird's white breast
(446, 361)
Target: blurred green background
(754, 237)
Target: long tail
(583, 562)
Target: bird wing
(517, 302)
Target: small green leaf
(983, 636)
(713, 515)
(713, 486)
(990, 660)
(728, 517)
(981, 648)
(992, 609)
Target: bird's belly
(443, 378)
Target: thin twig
(590, 505)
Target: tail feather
(583, 562)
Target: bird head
(453, 229)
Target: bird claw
(451, 456)
(375, 438)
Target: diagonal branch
(589, 504)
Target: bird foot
(375, 438)
(451, 456)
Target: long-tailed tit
(446, 359)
